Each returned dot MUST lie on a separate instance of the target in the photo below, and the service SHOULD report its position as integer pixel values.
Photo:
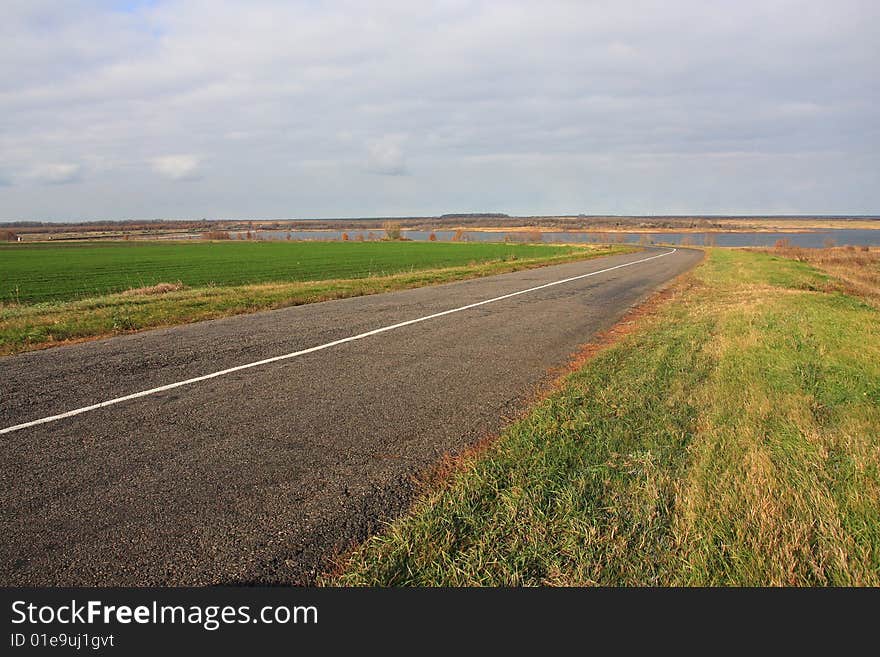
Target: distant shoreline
(530, 229)
(169, 229)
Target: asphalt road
(259, 475)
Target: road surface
(260, 474)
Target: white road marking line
(302, 352)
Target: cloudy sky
(279, 109)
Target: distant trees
(392, 230)
(475, 215)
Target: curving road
(257, 472)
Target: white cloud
(56, 174)
(385, 156)
(176, 167)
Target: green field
(58, 272)
(732, 439)
(58, 293)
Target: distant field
(60, 272)
(51, 294)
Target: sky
(278, 109)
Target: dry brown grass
(213, 235)
(857, 269)
(150, 290)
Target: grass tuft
(158, 288)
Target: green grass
(223, 279)
(62, 272)
(734, 439)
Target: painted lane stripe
(303, 352)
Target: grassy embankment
(732, 439)
(51, 293)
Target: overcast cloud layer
(204, 108)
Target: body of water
(819, 239)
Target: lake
(819, 239)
